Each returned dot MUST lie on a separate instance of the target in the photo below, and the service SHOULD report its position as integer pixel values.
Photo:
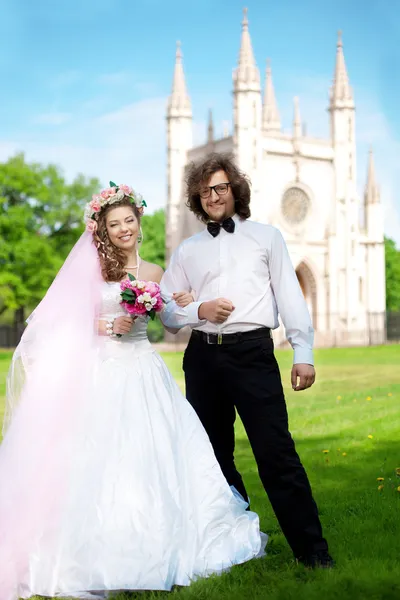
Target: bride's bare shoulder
(150, 271)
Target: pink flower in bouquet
(141, 297)
(125, 284)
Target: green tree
(40, 220)
(153, 250)
(392, 263)
(153, 247)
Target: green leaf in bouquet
(131, 277)
(152, 314)
(144, 203)
(112, 184)
(128, 296)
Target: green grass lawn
(347, 431)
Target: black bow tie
(214, 228)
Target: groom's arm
(176, 280)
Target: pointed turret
(247, 109)
(246, 76)
(371, 193)
(225, 129)
(270, 118)
(179, 101)
(297, 126)
(341, 94)
(179, 140)
(210, 128)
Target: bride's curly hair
(112, 259)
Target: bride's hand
(183, 298)
(122, 325)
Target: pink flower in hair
(91, 226)
(126, 189)
(95, 205)
(107, 192)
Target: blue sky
(85, 83)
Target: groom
(241, 275)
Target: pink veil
(48, 380)
(61, 328)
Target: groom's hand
(216, 311)
(306, 375)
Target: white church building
(304, 186)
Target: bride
(108, 479)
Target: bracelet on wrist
(110, 328)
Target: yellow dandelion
(338, 397)
(369, 398)
(370, 436)
(344, 454)
(380, 487)
(398, 489)
(338, 449)
(380, 479)
(325, 451)
(390, 394)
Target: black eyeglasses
(221, 189)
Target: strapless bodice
(111, 308)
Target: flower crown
(110, 195)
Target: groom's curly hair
(112, 259)
(199, 174)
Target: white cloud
(127, 145)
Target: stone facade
(304, 186)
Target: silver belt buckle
(219, 338)
(208, 338)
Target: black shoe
(319, 560)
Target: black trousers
(246, 376)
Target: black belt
(231, 338)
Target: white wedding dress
(144, 503)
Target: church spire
(246, 75)
(371, 194)
(179, 101)
(210, 129)
(270, 119)
(297, 126)
(341, 93)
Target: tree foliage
(392, 262)
(153, 247)
(40, 220)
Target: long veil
(60, 331)
(49, 378)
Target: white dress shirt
(250, 267)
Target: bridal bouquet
(141, 297)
